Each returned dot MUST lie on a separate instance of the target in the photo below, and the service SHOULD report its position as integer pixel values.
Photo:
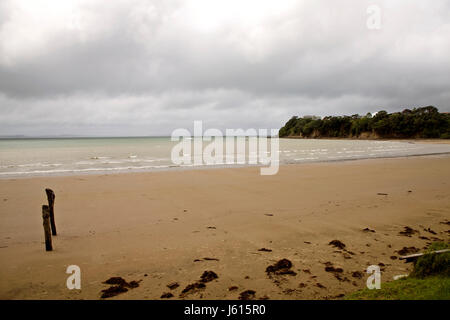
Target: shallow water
(41, 157)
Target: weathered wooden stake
(51, 202)
(47, 232)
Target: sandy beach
(158, 228)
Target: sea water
(62, 156)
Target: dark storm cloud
(146, 67)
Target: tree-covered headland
(424, 122)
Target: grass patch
(433, 264)
(431, 288)
(430, 280)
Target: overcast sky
(140, 67)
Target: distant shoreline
(434, 140)
(424, 122)
(77, 137)
(421, 140)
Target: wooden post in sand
(47, 232)
(51, 202)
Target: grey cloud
(139, 67)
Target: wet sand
(162, 228)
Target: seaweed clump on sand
(207, 276)
(118, 286)
(191, 288)
(247, 295)
(338, 244)
(408, 232)
(407, 250)
(282, 267)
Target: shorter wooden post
(51, 202)
(47, 232)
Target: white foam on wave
(83, 170)
(31, 165)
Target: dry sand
(155, 226)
